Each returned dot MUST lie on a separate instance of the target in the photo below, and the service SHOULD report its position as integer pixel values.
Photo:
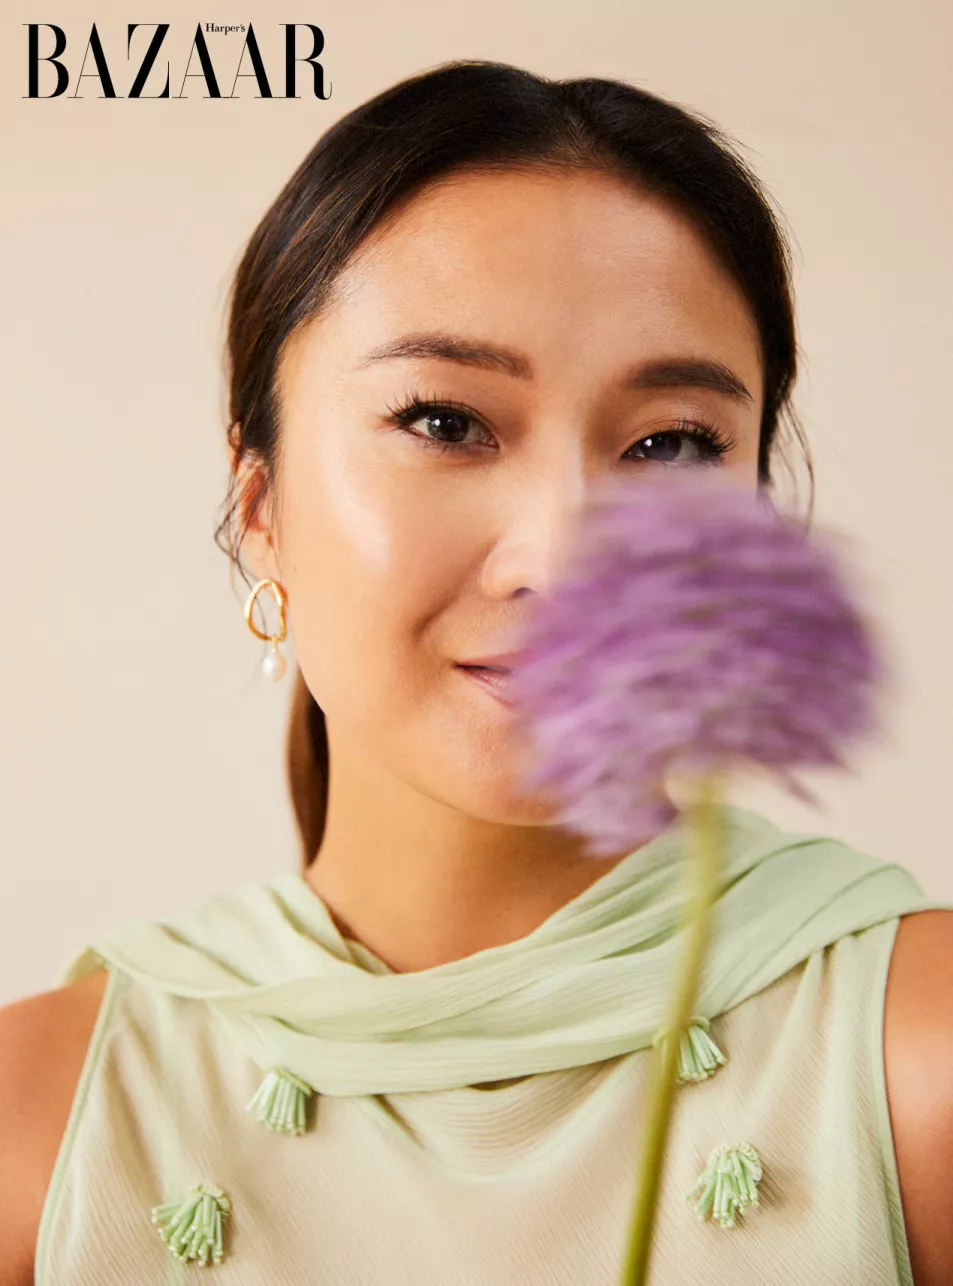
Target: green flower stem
(703, 845)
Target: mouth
(493, 679)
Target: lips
(493, 680)
(501, 661)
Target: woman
(480, 293)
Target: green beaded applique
(281, 1102)
(728, 1185)
(192, 1226)
(698, 1055)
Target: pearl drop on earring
(273, 664)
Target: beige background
(142, 751)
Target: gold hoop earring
(273, 663)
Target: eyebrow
(664, 372)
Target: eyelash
(702, 432)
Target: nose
(534, 539)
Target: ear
(256, 508)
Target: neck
(420, 884)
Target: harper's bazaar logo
(136, 65)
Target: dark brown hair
(477, 115)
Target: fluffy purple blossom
(694, 627)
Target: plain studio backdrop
(143, 751)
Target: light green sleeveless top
(408, 1172)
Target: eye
(689, 442)
(448, 424)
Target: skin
(918, 1055)
(399, 560)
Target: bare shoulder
(43, 1044)
(918, 1057)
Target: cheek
(376, 562)
(742, 464)
(369, 567)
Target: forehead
(572, 267)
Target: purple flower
(694, 628)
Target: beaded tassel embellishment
(192, 1226)
(698, 1055)
(281, 1102)
(728, 1185)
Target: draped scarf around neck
(591, 982)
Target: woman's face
(554, 311)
